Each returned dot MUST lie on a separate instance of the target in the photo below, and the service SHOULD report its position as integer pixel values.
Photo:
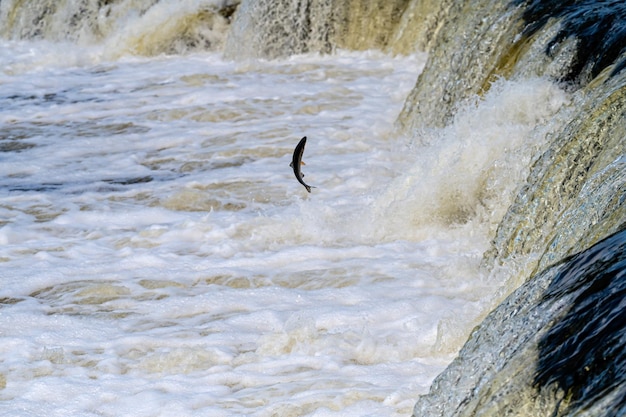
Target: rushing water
(158, 257)
(554, 347)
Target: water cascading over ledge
(122, 27)
(575, 192)
(261, 29)
(555, 346)
(579, 45)
(272, 29)
(569, 41)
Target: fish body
(296, 162)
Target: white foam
(159, 257)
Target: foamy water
(158, 257)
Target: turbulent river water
(159, 258)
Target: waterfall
(558, 231)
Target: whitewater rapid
(158, 257)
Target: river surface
(158, 256)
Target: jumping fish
(297, 161)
